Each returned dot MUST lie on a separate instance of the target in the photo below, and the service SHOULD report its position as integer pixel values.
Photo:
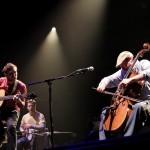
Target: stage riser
(142, 139)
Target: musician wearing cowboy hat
(139, 110)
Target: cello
(122, 100)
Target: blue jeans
(23, 143)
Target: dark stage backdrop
(86, 39)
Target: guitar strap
(15, 86)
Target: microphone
(86, 69)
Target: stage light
(53, 29)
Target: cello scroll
(146, 47)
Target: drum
(29, 134)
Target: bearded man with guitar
(12, 100)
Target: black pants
(11, 119)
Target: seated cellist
(140, 110)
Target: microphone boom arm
(74, 73)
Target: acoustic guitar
(10, 97)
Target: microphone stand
(49, 82)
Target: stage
(141, 139)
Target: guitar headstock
(31, 96)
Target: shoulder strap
(15, 86)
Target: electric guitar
(10, 97)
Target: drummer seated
(33, 139)
(33, 127)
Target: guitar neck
(6, 97)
